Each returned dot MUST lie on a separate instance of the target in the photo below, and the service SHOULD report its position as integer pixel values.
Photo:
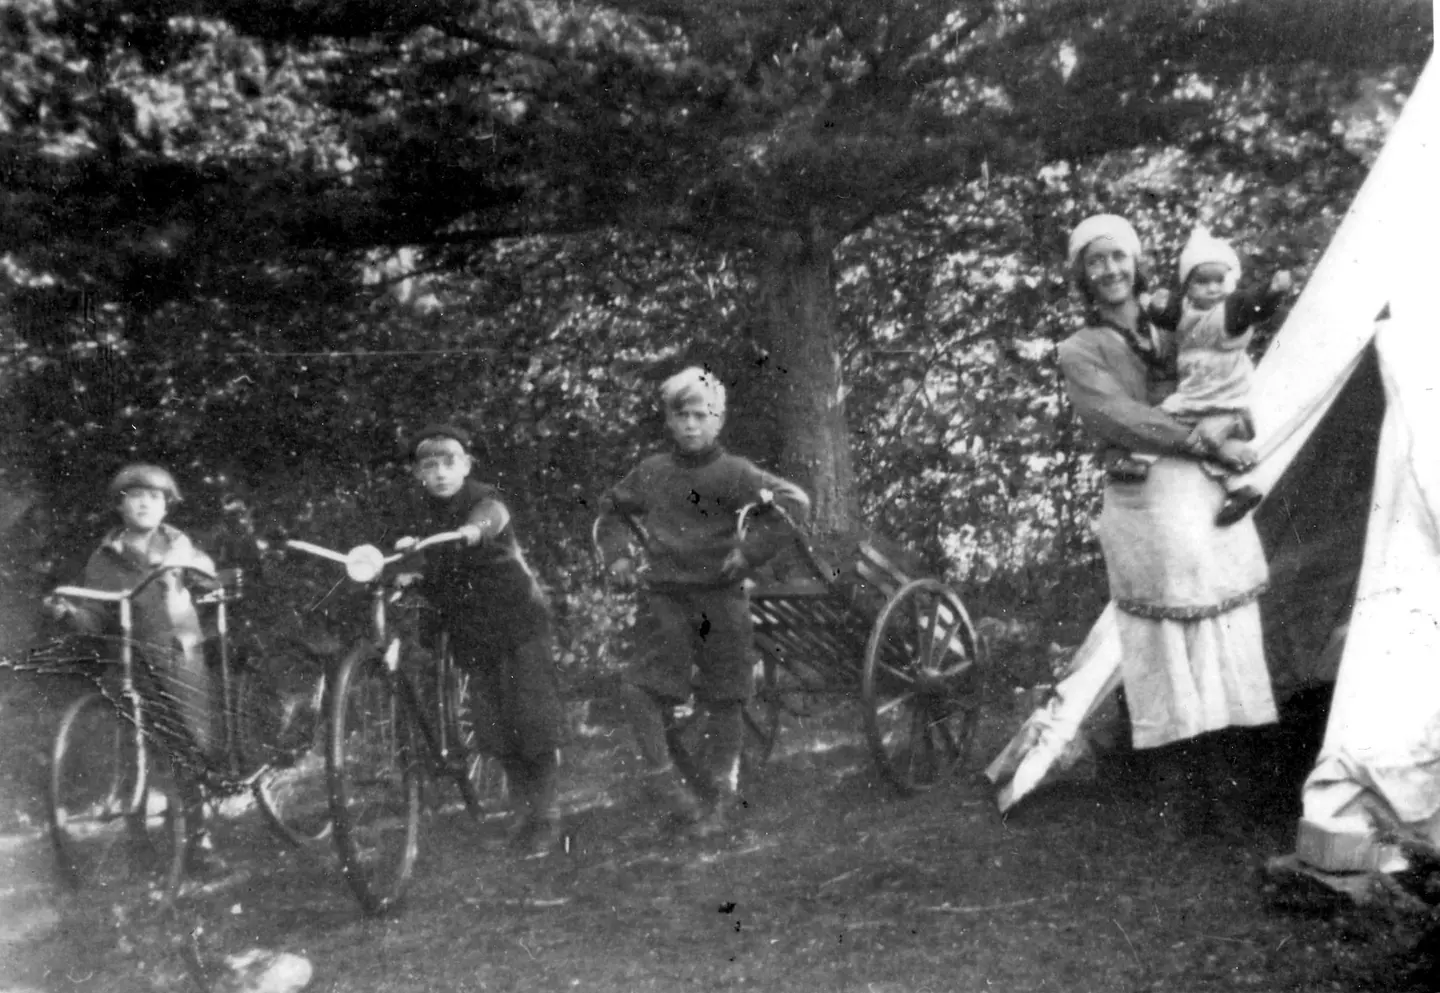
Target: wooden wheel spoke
(890, 672)
(932, 638)
(889, 705)
(917, 623)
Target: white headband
(1098, 226)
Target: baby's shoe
(1237, 504)
(1125, 469)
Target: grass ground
(829, 883)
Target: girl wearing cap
(166, 629)
(1185, 591)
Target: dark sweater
(685, 509)
(488, 587)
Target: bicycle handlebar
(117, 596)
(366, 563)
(766, 503)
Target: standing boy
(498, 620)
(695, 614)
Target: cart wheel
(921, 686)
(374, 785)
(110, 820)
(281, 738)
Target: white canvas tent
(1347, 409)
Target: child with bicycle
(166, 630)
(498, 618)
(695, 612)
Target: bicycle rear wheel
(373, 781)
(281, 738)
(483, 770)
(111, 821)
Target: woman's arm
(1110, 412)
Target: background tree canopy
(259, 239)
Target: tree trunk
(803, 377)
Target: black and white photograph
(646, 496)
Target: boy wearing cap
(166, 626)
(498, 619)
(1212, 326)
(695, 612)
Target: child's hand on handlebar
(406, 543)
(622, 572)
(57, 607)
(473, 533)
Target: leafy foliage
(261, 241)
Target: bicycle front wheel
(373, 779)
(111, 822)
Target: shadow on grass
(828, 881)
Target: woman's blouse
(1114, 389)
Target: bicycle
(104, 793)
(387, 738)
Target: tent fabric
(1312, 527)
(1350, 518)
(1382, 741)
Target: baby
(1212, 326)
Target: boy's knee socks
(542, 786)
(646, 715)
(724, 738)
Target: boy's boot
(660, 781)
(541, 829)
(520, 786)
(1238, 502)
(724, 738)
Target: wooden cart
(904, 646)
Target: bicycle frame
(79, 848)
(125, 599)
(367, 564)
